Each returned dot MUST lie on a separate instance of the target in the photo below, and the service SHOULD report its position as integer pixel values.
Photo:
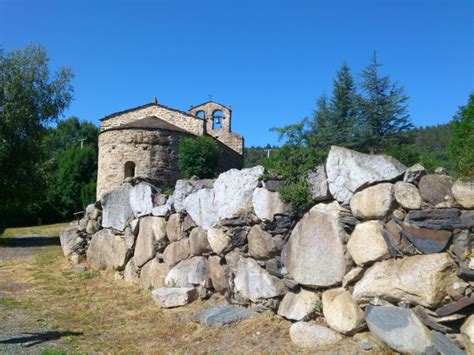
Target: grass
(117, 317)
(51, 230)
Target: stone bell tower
(217, 123)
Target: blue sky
(268, 59)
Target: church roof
(145, 106)
(149, 123)
(211, 101)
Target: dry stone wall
(391, 252)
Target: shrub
(198, 156)
(293, 163)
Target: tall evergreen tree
(344, 107)
(335, 118)
(383, 110)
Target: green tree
(461, 147)
(77, 168)
(334, 121)
(70, 131)
(31, 99)
(383, 111)
(198, 156)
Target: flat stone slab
(445, 346)
(428, 241)
(399, 328)
(222, 315)
(454, 307)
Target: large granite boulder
(116, 208)
(407, 195)
(176, 251)
(255, 283)
(315, 253)
(170, 297)
(310, 335)
(341, 311)
(67, 238)
(419, 279)
(233, 192)
(151, 238)
(298, 305)
(374, 202)
(107, 251)
(318, 184)
(399, 328)
(153, 274)
(267, 204)
(436, 190)
(200, 206)
(261, 244)
(219, 273)
(174, 227)
(141, 199)
(184, 188)
(198, 243)
(348, 171)
(366, 243)
(463, 192)
(218, 240)
(189, 273)
(131, 273)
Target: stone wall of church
(153, 152)
(230, 139)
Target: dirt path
(45, 305)
(17, 333)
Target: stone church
(143, 141)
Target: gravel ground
(16, 335)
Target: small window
(129, 170)
(217, 119)
(201, 114)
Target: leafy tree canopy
(31, 98)
(77, 167)
(461, 147)
(198, 156)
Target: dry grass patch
(51, 230)
(116, 317)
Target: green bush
(198, 156)
(88, 194)
(461, 147)
(293, 163)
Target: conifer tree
(383, 110)
(335, 118)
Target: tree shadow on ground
(31, 339)
(27, 242)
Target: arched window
(217, 119)
(129, 169)
(201, 114)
